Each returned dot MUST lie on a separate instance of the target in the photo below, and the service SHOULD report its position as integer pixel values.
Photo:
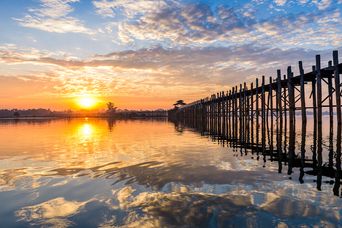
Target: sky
(148, 54)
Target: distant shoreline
(79, 117)
(33, 117)
(49, 114)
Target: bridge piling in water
(239, 114)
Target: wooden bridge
(258, 116)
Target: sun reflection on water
(86, 130)
(86, 133)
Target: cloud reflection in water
(143, 173)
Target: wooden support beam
(339, 124)
(271, 108)
(252, 117)
(245, 116)
(280, 122)
(263, 116)
(319, 121)
(302, 91)
(240, 117)
(233, 113)
(236, 115)
(229, 115)
(248, 116)
(257, 114)
(285, 110)
(337, 87)
(292, 120)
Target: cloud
(178, 49)
(158, 207)
(280, 2)
(303, 2)
(129, 8)
(188, 72)
(185, 24)
(179, 24)
(322, 4)
(172, 23)
(54, 8)
(53, 212)
(52, 16)
(58, 25)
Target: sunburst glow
(87, 102)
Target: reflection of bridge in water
(262, 119)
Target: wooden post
(339, 124)
(229, 115)
(223, 116)
(216, 113)
(314, 105)
(233, 114)
(271, 107)
(244, 115)
(209, 114)
(319, 120)
(303, 111)
(292, 123)
(336, 188)
(330, 91)
(268, 131)
(263, 120)
(302, 153)
(240, 116)
(302, 92)
(285, 110)
(219, 116)
(331, 118)
(247, 115)
(337, 88)
(236, 116)
(280, 120)
(217, 108)
(226, 115)
(252, 117)
(212, 113)
(257, 114)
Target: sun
(87, 102)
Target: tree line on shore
(111, 111)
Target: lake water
(144, 173)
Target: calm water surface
(100, 173)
